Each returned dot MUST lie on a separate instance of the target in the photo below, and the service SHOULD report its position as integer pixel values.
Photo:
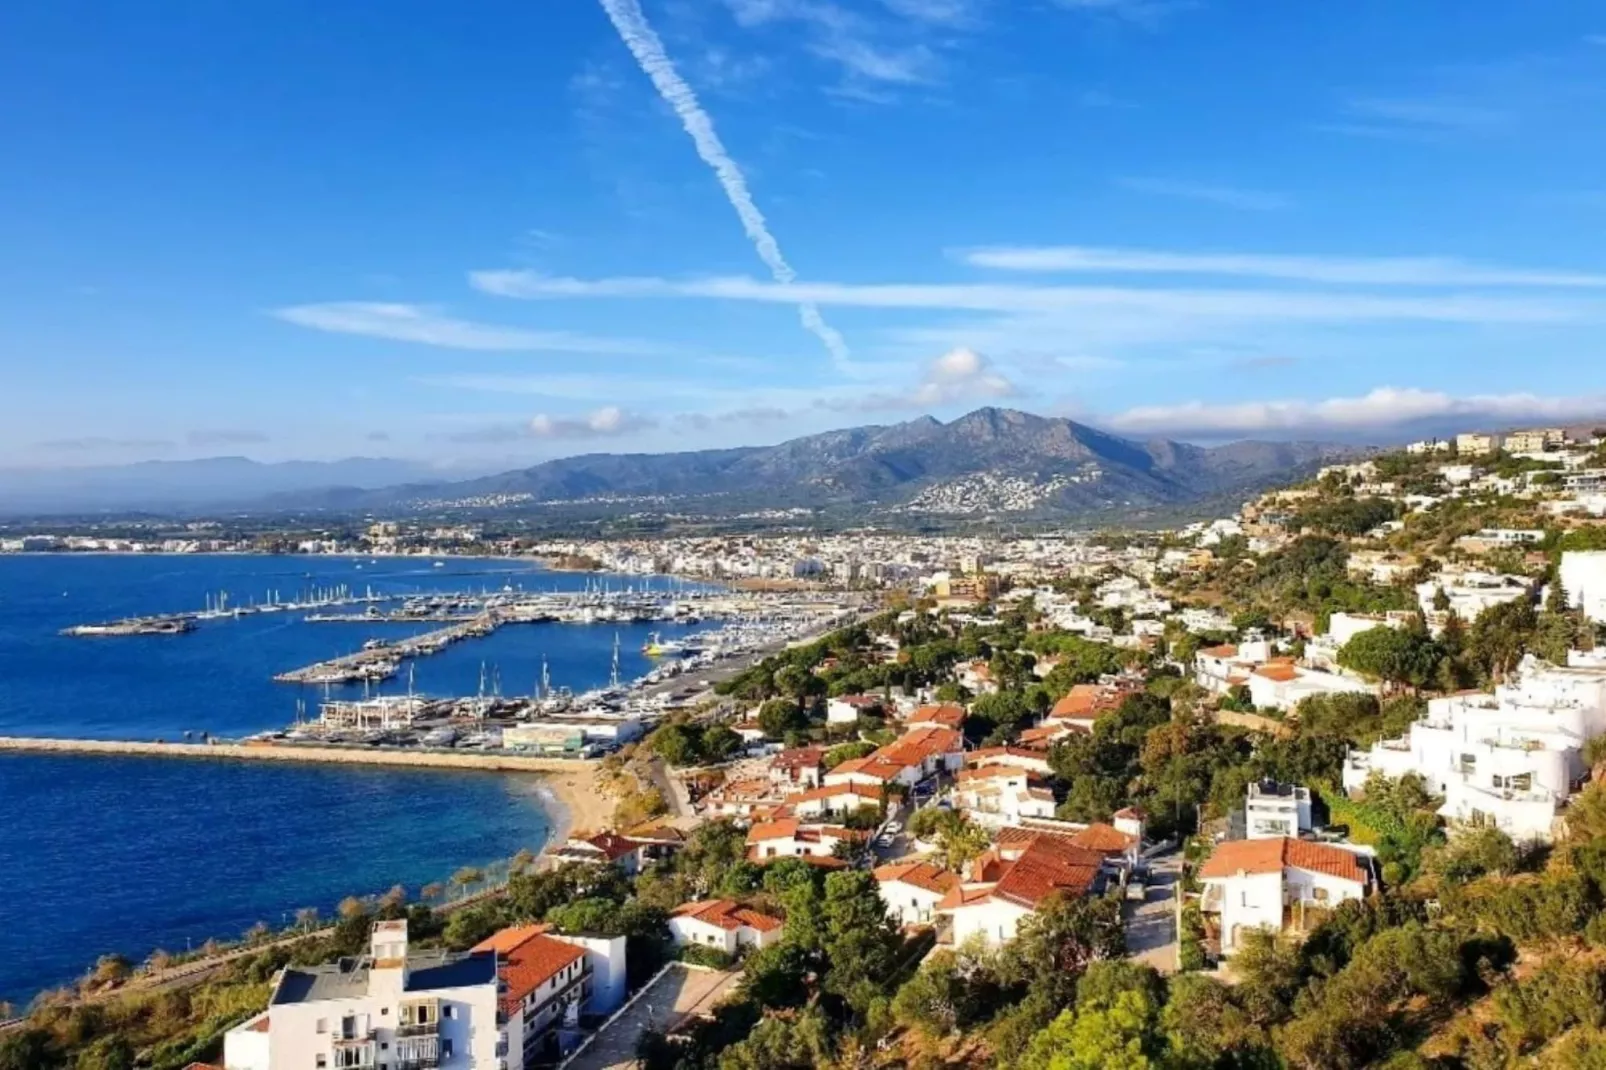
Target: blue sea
(130, 854)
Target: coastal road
(679, 992)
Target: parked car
(894, 827)
(1136, 891)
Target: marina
(218, 607)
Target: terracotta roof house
(912, 890)
(1278, 884)
(946, 715)
(723, 924)
(993, 910)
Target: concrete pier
(486, 761)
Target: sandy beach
(580, 803)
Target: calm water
(104, 854)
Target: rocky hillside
(990, 461)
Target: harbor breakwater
(271, 752)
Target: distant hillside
(991, 461)
(213, 481)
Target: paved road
(679, 992)
(1151, 926)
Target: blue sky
(496, 232)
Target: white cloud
(895, 46)
(648, 50)
(958, 376)
(1378, 271)
(961, 375)
(1247, 200)
(426, 326)
(1379, 410)
(606, 422)
(1194, 304)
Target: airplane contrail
(644, 43)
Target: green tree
(777, 717)
(1120, 1036)
(1394, 655)
(1500, 636)
(1058, 941)
(677, 744)
(860, 941)
(720, 743)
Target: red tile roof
(611, 844)
(946, 714)
(833, 791)
(916, 746)
(1012, 842)
(784, 829)
(1280, 673)
(924, 875)
(528, 964)
(1044, 868)
(1106, 839)
(986, 755)
(1046, 733)
(1270, 856)
(727, 914)
(1225, 650)
(798, 758)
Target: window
(446, 1048)
(323, 1025)
(448, 1011)
(1319, 894)
(384, 1012)
(321, 1061)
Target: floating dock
(381, 660)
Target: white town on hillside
(941, 761)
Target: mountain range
(989, 462)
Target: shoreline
(564, 793)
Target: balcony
(352, 1039)
(418, 1029)
(419, 1062)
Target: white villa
(723, 925)
(1274, 810)
(1513, 757)
(435, 1010)
(1274, 884)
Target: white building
(547, 980)
(1273, 884)
(996, 795)
(1583, 576)
(723, 925)
(1469, 594)
(846, 709)
(1282, 685)
(788, 837)
(1512, 757)
(1275, 810)
(912, 890)
(404, 1011)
